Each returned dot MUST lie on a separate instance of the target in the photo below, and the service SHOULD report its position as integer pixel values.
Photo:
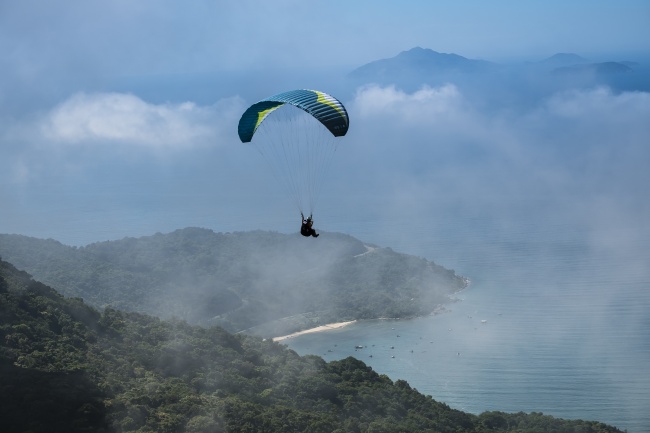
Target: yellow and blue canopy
(325, 108)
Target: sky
(118, 118)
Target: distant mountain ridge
(603, 68)
(425, 60)
(411, 69)
(420, 60)
(278, 283)
(563, 59)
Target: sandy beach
(317, 329)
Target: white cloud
(429, 124)
(87, 131)
(116, 118)
(578, 142)
(580, 118)
(425, 104)
(600, 101)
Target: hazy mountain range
(424, 62)
(278, 283)
(411, 69)
(420, 61)
(408, 70)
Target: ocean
(556, 320)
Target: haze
(119, 119)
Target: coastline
(321, 328)
(440, 309)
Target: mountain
(603, 68)
(267, 283)
(66, 367)
(418, 63)
(499, 84)
(569, 63)
(562, 59)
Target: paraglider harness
(306, 228)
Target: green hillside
(263, 282)
(67, 367)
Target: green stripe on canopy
(326, 109)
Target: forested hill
(263, 282)
(66, 367)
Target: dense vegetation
(65, 366)
(271, 282)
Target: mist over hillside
(65, 366)
(275, 282)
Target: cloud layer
(410, 152)
(114, 118)
(571, 134)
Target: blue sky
(114, 108)
(52, 49)
(149, 37)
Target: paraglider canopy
(297, 133)
(325, 108)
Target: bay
(555, 321)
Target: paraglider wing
(297, 133)
(325, 108)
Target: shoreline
(440, 309)
(321, 328)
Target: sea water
(552, 322)
(497, 356)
